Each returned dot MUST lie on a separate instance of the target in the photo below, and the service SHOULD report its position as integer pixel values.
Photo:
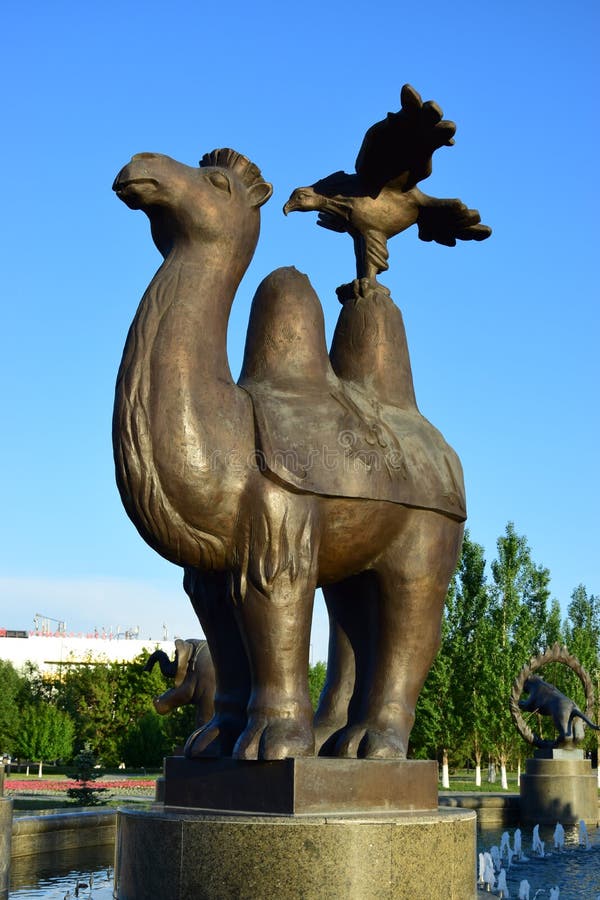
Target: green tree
(145, 742)
(107, 700)
(470, 634)
(554, 629)
(86, 773)
(177, 727)
(582, 629)
(582, 637)
(45, 733)
(520, 594)
(12, 687)
(316, 680)
(87, 694)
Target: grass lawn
(464, 780)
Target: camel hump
(369, 349)
(285, 343)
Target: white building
(51, 651)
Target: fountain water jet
(501, 886)
(537, 845)
(559, 837)
(584, 840)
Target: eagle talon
(360, 289)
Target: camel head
(216, 203)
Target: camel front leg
(274, 619)
(276, 630)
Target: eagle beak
(289, 207)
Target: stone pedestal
(559, 786)
(187, 856)
(311, 828)
(5, 842)
(304, 785)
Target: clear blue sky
(503, 335)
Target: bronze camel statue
(310, 471)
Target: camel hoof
(266, 738)
(363, 742)
(382, 745)
(325, 733)
(348, 742)
(216, 738)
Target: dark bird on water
(382, 199)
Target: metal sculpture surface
(382, 198)
(194, 679)
(547, 700)
(315, 469)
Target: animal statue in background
(194, 677)
(547, 700)
(315, 469)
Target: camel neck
(184, 315)
(168, 428)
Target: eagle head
(302, 200)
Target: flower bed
(20, 786)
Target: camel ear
(259, 193)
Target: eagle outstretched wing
(397, 151)
(446, 221)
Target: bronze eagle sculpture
(382, 198)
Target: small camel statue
(547, 700)
(315, 469)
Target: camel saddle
(322, 435)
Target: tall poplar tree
(469, 638)
(519, 615)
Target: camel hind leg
(209, 593)
(352, 609)
(413, 576)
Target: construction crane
(41, 623)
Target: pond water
(574, 870)
(52, 876)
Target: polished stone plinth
(559, 786)
(5, 842)
(300, 786)
(186, 856)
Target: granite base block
(311, 785)
(181, 855)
